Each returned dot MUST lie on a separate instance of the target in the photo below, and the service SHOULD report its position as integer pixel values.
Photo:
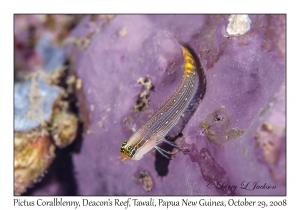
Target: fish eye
(133, 151)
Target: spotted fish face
(128, 151)
(135, 149)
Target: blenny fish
(153, 132)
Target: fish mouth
(124, 156)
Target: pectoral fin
(163, 152)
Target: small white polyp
(238, 24)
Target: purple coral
(245, 74)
